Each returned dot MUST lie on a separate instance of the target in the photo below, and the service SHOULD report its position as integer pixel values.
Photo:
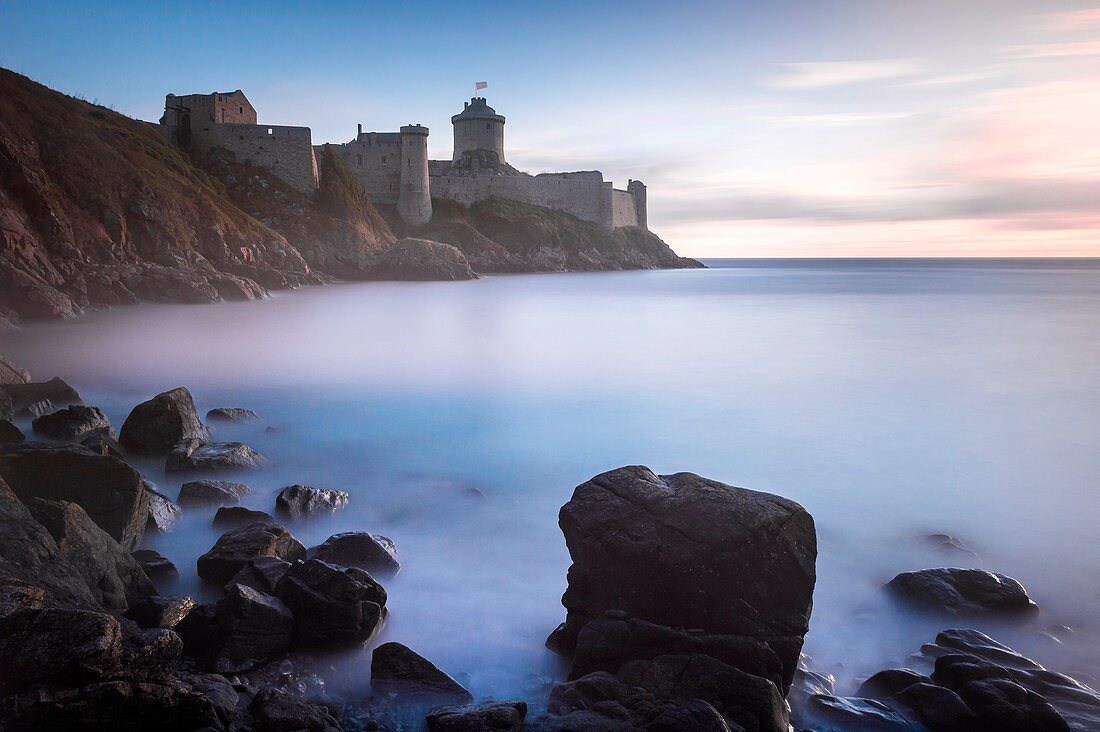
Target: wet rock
(159, 611)
(807, 683)
(399, 673)
(503, 716)
(359, 549)
(600, 702)
(36, 409)
(239, 516)
(297, 500)
(276, 711)
(10, 373)
(110, 491)
(10, 434)
(246, 629)
(935, 707)
(889, 682)
(962, 591)
(217, 690)
(72, 423)
(421, 259)
(114, 577)
(56, 645)
(26, 394)
(7, 407)
(695, 716)
(193, 455)
(261, 573)
(841, 714)
(154, 563)
(102, 444)
(332, 605)
(236, 547)
(163, 514)
(158, 425)
(212, 492)
(232, 414)
(687, 552)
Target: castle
(393, 167)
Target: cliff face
(97, 209)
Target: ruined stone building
(393, 167)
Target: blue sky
(769, 128)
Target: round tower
(414, 201)
(478, 127)
(637, 190)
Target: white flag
(479, 85)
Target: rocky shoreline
(686, 604)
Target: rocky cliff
(97, 209)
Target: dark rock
(935, 707)
(217, 690)
(154, 564)
(236, 547)
(695, 716)
(163, 514)
(159, 611)
(261, 573)
(232, 414)
(55, 390)
(112, 575)
(158, 425)
(889, 682)
(239, 516)
(212, 456)
(684, 551)
(10, 373)
(399, 673)
(358, 549)
(56, 645)
(212, 492)
(102, 444)
(301, 500)
(73, 423)
(948, 544)
(503, 716)
(7, 407)
(332, 605)
(110, 491)
(276, 711)
(962, 591)
(750, 701)
(10, 434)
(806, 684)
(421, 259)
(36, 409)
(247, 629)
(843, 714)
(1006, 706)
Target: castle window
(487, 126)
(383, 160)
(240, 110)
(360, 159)
(270, 131)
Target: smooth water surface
(893, 399)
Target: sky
(779, 128)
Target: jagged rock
(275, 711)
(57, 645)
(7, 407)
(962, 591)
(158, 425)
(163, 514)
(154, 563)
(826, 713)
(212, 492)
(421, 259)
(246, 629)
(239, 516)
(332, 606)
(232, 414)
(236, 547)
(26, 394)
(687, 552)
(296, 500)
(694, 716)
(10, 434)
(36, 409)
(889, 682)
(113, 576)
(935, 707)
(102, 444)
(212, 456)
(600, 702)
(217, 690)
(808, 682)
(10, 373)
(359, 549)
(261, 573)
(503, 716)
(114, 494)
(73, 422)
(397, 672)
(159, 611)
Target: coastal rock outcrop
(10, 434)
(154, 564)
(159, 424)
(11, 373)
(962, 591)
(295, 501)
(235, 548)
(398, 672)
(232, 414)
(194, 455)
(488, 717)
(231, 516)
(359, 549)
(421, 259)
(245, 629)
(73, 423)
(212, 492)
(332, 606)
(26, 394)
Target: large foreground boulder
(962, 591)
(25, 395)
(359, 549)
(110, 491)
(235, 548)
(683, 551)
(73, 423)
(193, 455)
(332, 606)
(158, 425)
(397, 672)
(244, 630)
(421, 259)
(488, 717)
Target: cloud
(827, 74)
(953, 79)
(840, 119)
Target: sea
(894, 399)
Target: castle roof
(477, 108)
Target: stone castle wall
(623, 212)
(285, 151)
(374, 158)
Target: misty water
(892, 399)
